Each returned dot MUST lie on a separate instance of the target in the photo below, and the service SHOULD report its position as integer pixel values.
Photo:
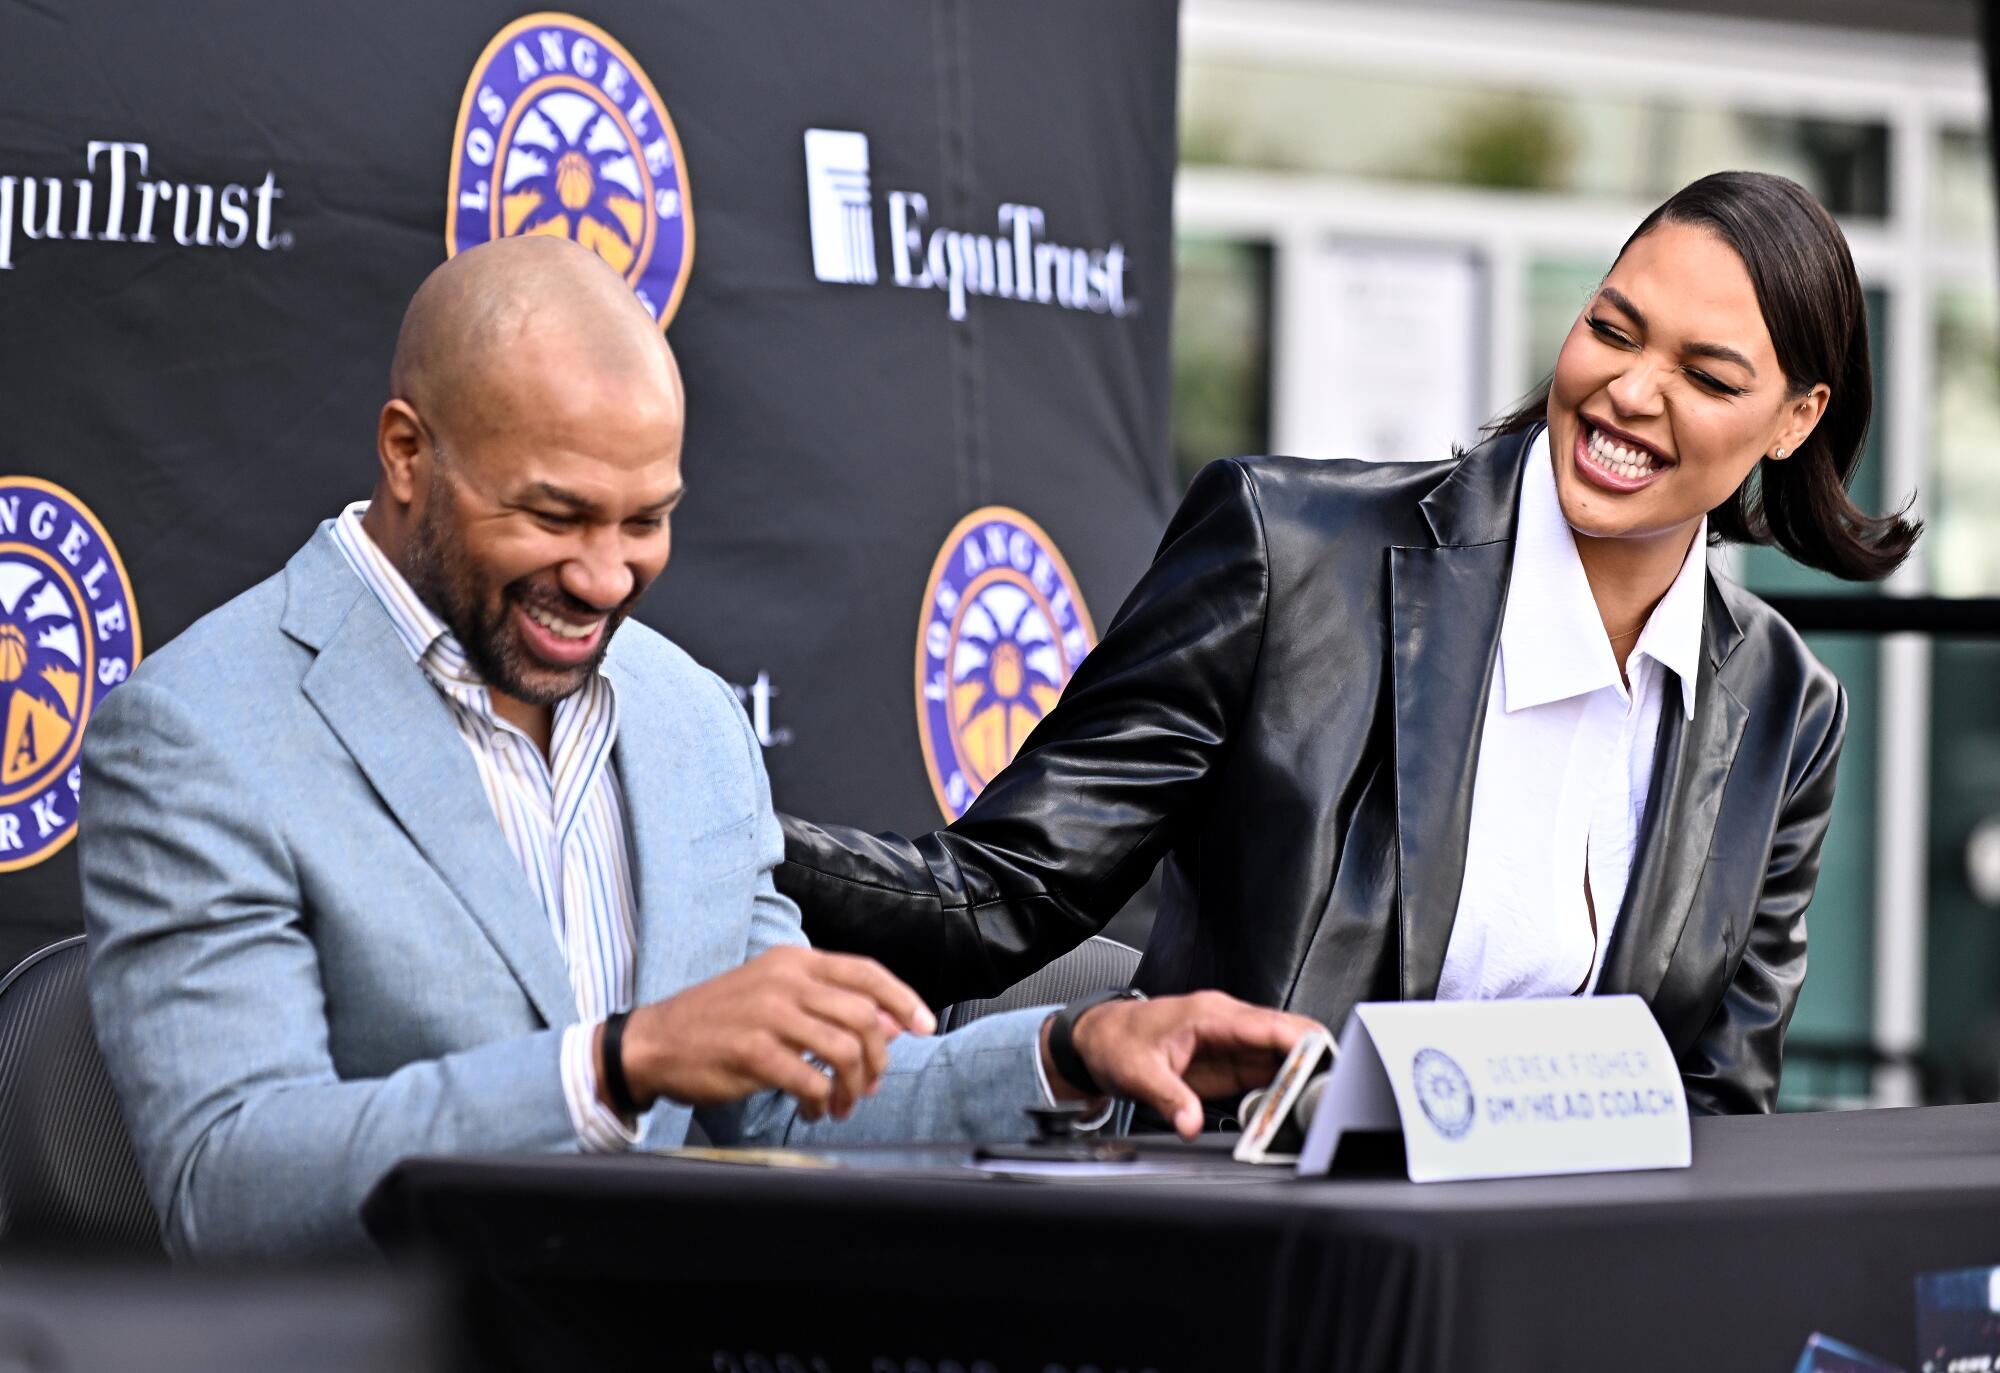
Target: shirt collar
(430, 641)
(1552, 642)
(1672, 636)
(416, 624)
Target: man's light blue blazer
(313, 954)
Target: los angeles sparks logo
(1004, 627)
(561, 133)
(68, 634)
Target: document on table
(1075, 1168)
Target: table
(906, 1262)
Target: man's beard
(443, 573)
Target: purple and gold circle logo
(560, 132)
(1004, 627)
(1444, 1091)
(69, 632)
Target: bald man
(400, 853)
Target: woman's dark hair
(1812, 304)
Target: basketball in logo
(1004, 627)
(560, 132)
(68, 634)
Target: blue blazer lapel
(400, 733)
(653, 759)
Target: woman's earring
(1780, 453)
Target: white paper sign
(1384, 358)
(1495, 1089)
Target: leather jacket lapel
(1691, 764)
(1445, 612)
(1446, 607)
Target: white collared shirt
(563, 818)
(1565, 762)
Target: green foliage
(1511, 141)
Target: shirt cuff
(598, 1128)
(1095, 1122)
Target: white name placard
(1495, 1089)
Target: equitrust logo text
(124, 197)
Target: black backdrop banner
(915, 259)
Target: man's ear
(404, 446)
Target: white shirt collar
(416, 624)
(1552, 642)
(430, 640)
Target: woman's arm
(1067, 832)
(1733, 1068)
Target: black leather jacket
(1287, 710)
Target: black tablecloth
(1784, 1226)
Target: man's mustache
(556, 601)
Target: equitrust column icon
(840, 207)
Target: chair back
(68, 1177)
(1092, 966)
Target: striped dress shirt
(563, 818)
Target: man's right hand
(752, 1028)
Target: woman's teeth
(1629, 463)
(556, 625)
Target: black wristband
(1062, 1038)
(611, 1066)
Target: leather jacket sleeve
(1733, 1067)
(1057, 843)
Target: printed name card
(1495, 1089)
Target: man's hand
(1174, 1052)
(752, 1028)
